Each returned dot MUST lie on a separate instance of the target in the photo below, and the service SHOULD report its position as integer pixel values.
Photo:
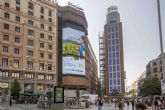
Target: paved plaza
(33, 107)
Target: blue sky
(140, 29)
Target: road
(33, 107)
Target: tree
(77, 93)
(15, 88)
(99, 89)
(150, 87)
(115, 92)
(133, 93)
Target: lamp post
(161, 45)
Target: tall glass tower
(114, 60)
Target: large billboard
(73, 51)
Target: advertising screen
(73, 51)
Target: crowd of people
(135, 104)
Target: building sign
(4, 85)
(58, 94)
(73, 48)
(75, 6)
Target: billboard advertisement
(73, 51)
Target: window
(49, 66)
(41, 45)
(155, 70)
(30, 5)
(30, 13)
(6, 26)
(154, 63)
(6, 37)
(49, 77)
(17, 18)
(50, 13)
(30, 32)
(42, 17)
(7, 15)
(30, 53)
(42, 10)
(16, 64)
(29, 65)
(7, 5)
(15, 75)
(16, 50)
(30, 42)
(49, 56)
(50, 19)
(50, 47)
(29, 75)
(17, 29)
(17, 8)
(50, 37)
(40, 76)
(42, 35)
(42, 26)
(5, 49)
(17, 40)
(41, 55)
(50, 28)
(161, 69)
(30, 22)
(41, 66)
(17, 2)
(4, 74)
(4, 62)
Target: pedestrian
(10, 102)
(156, 106)
(128, 103)
(121, 105)
(100, 103)
(141, 106)
(133, 104)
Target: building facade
(154, 68)
(28, 44)
(78, 70)
(114, 60)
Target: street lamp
(161, 45)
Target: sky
(140, 29)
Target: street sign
(58, 94)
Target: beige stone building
(28, 44)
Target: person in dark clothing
(10, 102)
(100, 104)
(133, 104)
(127, 102)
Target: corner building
(114, 60)
(78, 70)
(28, 44)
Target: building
(28, 44)
(154, 67)
(114, 77)
(78, 70)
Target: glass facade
(114, 59)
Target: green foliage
(99, 90)
(15, 88)
(49, 94)
(77, 93)
(70, 48)
(115, 93)
(133, 93)
(150, 87)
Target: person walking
(133, 104)
(121, 105)
(10, 102)
(100, 103)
